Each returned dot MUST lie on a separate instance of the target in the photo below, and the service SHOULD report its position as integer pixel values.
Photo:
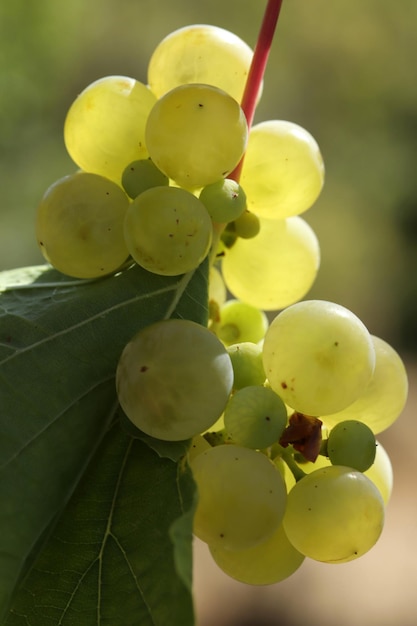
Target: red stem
(257, 68)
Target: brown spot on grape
(284, 385)
(200, 106)
(144, 368)
(268, 419)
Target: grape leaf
(60, 341)
(110, 559)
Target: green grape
(141, 175)
(335, 514)
(200, 53)
(79, 225)
(174, 379)
(385, 396)
(318, 356)
(381, 473)
(241, 322)
(267, 563)
(168, 230)
(276, 267)
(225, 200)
(255, 417)
(105, 126)
(217, 288)
(247, 225)
(196, 135)
(247, 364)
(283, 171)
(241, 497)
(352, 443)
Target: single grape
(197, 446)
(352, 443)
(335, 514)
(141, 175)
(168, 230)
(276, 267)
(225, 200)
(241, 497)
(105, 126)
(247, 364)
(239, 322)
(385, 396)
(79, 225)
(318, 356)
(200, 53)
(247, 225)
(196, 134)
(174, 379)
(255, 417)
(267, 563)
(283, 171)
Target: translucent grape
(318, 356)
(225, 200)
(385, 396)
(255, 417)
(105, 126)
(200, 53)
(283, 171)
(352, 443)
(269, 562)
(335, 514)
(247, 225)
(381, 473)
(174, 379)
(275, 268)
(247, 364)
(196, 135)
(241, 497)
(79, 225)
(240, 321)
(168, 230)
(141, 175)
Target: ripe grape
(239, 322)
(381, 472)
(283, 171)
(385, 396)
(196, 134)
(168, 230)
(255, 417)
(225, 200)
(335, 514)
(247, 225)
(318, 356)
(247, 364)
(352, 443)
(241, 497)
(105, 126)
(174, 379)
(141, 175)
(79, 225)
(276, 267)
(217, 288)
(200, 53)
(269, 562)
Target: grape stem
(257, 68)
(288, 458)
(250, 94)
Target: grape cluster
(282, 416)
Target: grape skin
(174, 379)
(79, 225)
(241, 497)
(335, 514)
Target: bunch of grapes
(281, 416)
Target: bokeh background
(344, 70)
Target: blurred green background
(345, 71)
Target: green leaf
(110, 559)
(60, 341)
